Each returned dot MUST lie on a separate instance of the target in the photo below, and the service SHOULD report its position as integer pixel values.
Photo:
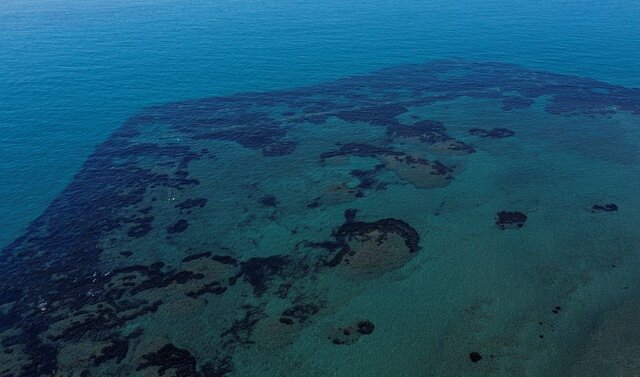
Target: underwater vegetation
(201, 238)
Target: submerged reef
(154, 236)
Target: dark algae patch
(238, 235)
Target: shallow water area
(452, 218)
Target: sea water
(409, 189)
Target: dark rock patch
(283, 290)
(193, 257)
(286, 320)
(475, 357)
(351, 334)
(350, 214)
(609, 207)
(116, 350)
(365, 327)
(192, 203)
(225, 259)
(240, 331)
(379, 115)
(260, 271)
(300, 312)
(367, 178)
(510, 220)
(170, 357)
(371, 249)
(315, 203)
(220, 368)
(214, 287)
(510, 103)
(258, 135)
(139, 230)
(269, 201)
(362, 230)
(360, 150)
(429, 132)
(279, 148)
(118, 176)
(179, 227)
(329, 245)
(495, 133)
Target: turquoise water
(211, 189)
(73, 71)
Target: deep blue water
(71, 71)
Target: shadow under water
(442, 219)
